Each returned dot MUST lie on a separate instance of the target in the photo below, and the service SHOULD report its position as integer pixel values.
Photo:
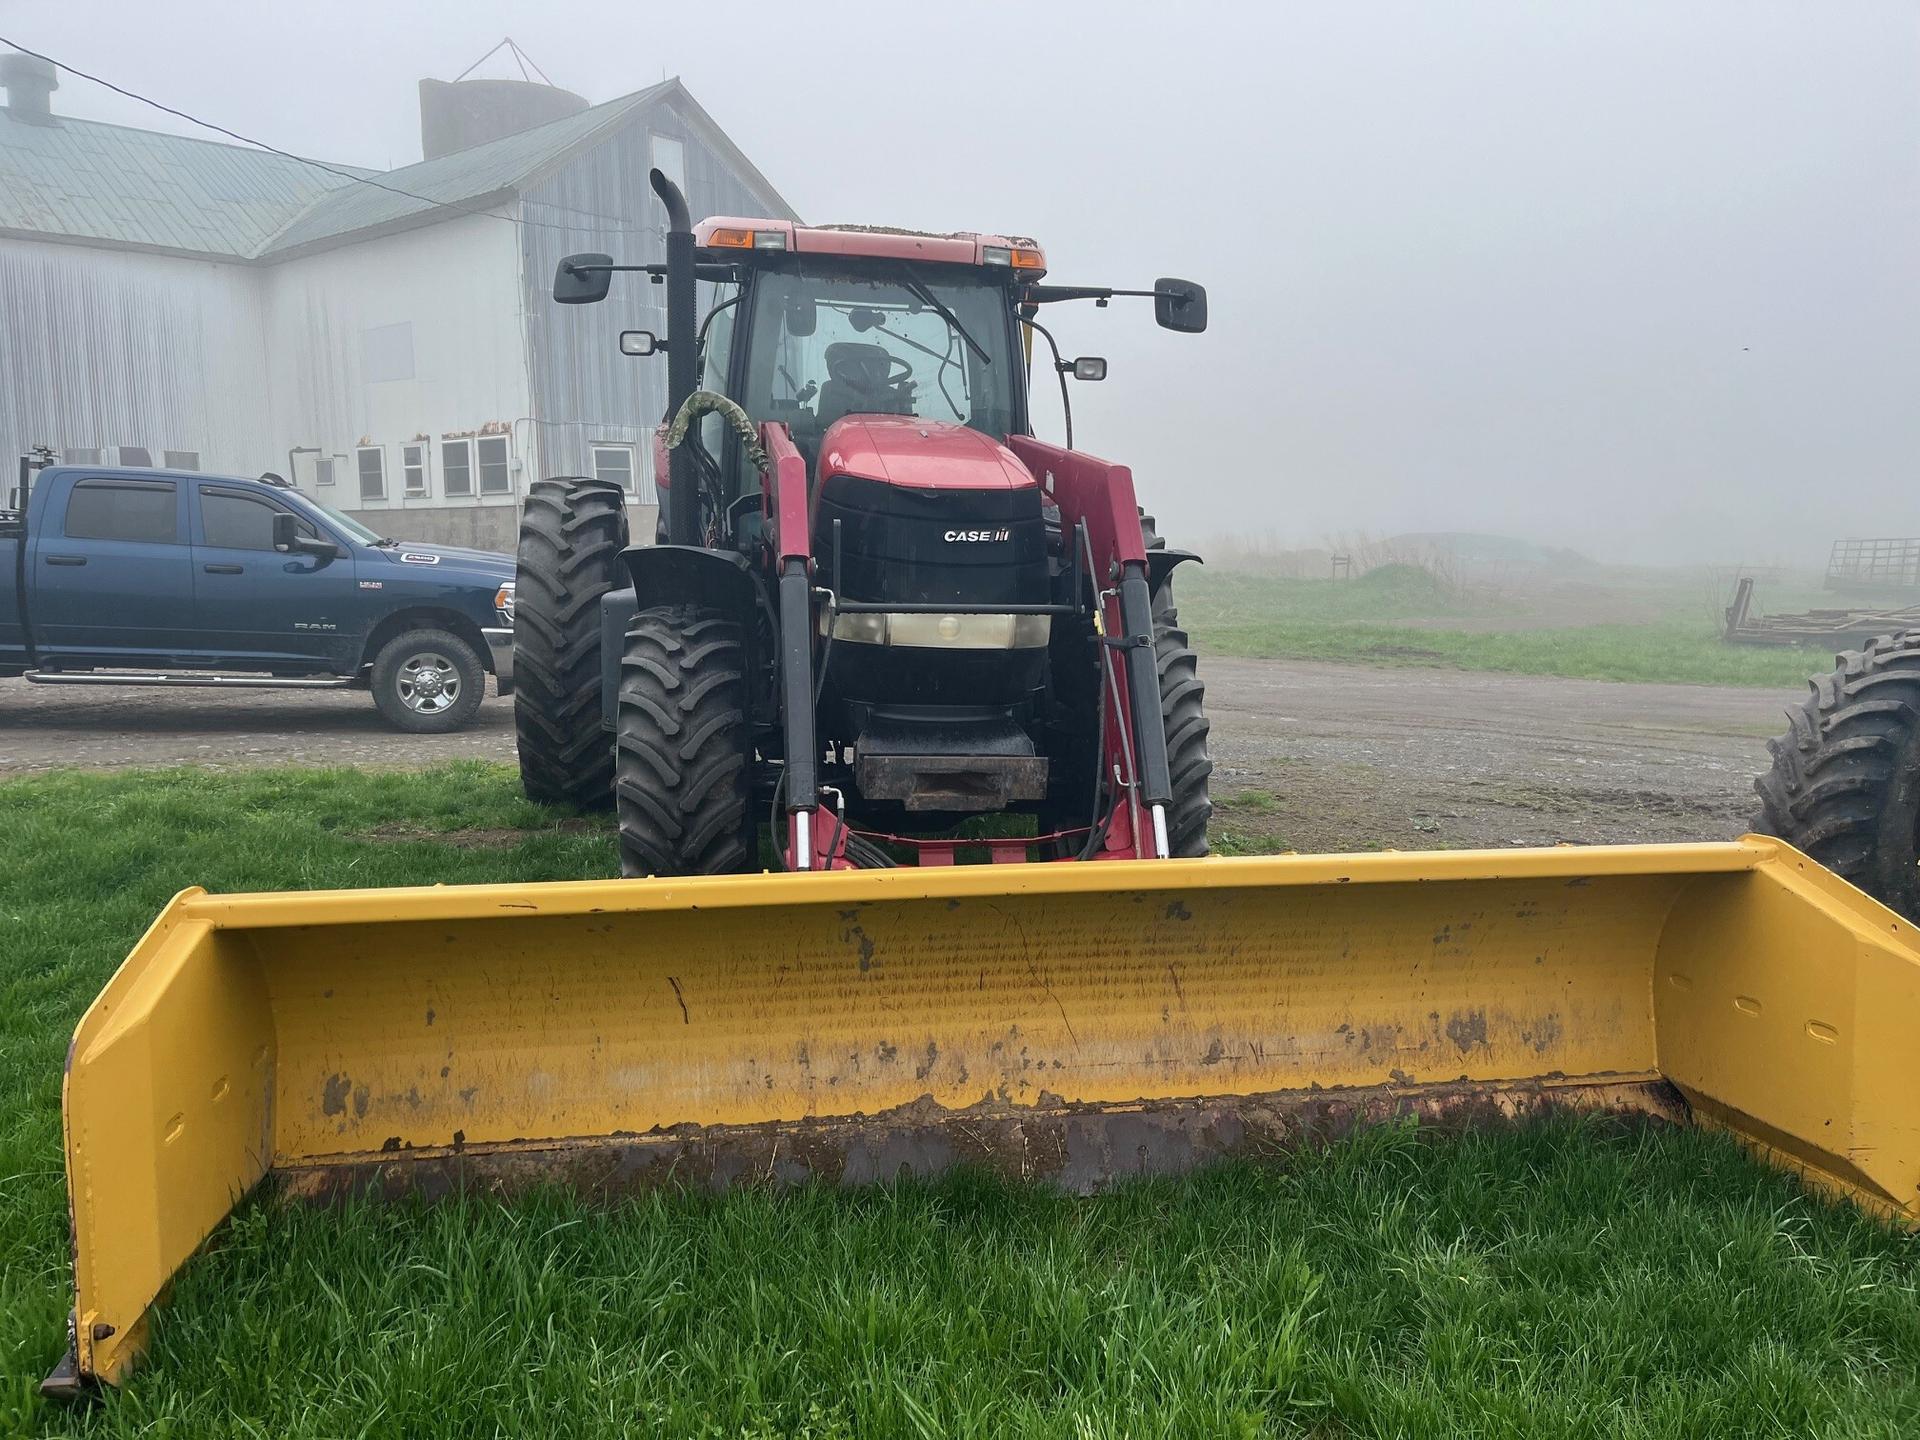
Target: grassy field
(1403, 615)
(1581, 1279)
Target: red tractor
(878, 606)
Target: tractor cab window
(716, 359)
(828, 341)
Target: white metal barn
(175, 301)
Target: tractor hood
(911, 453)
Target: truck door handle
(224, 569)
(66, 559)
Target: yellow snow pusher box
(1069, 1023)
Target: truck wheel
(571, 535)
(1844, 787)
(428, 682)
(683, 749)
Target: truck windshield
(833, 340)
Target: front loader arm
(1100, 494)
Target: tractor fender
(1161, 563)
(722, 580)
(691, 574)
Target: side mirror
(803, 317)
(1087, 367)
(1180, 305)
(288, 540)
(639, 343)
(583, 279)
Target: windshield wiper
(918, 289)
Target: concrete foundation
(479, 527)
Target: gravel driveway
(1320, 756)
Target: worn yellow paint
(253, 1031)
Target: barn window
(456, 467)
(387, 352)
(136, 455)
(670, 159)
(496, 475)
(323, 470)
(82, 455)
(373, 472)
(181, 459)
(614, 462)
(413, 465)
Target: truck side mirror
(583, 279)
(1180, 305)
(639, 342)
(288, 540)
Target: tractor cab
(819, 324)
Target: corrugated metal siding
(84, 180)
(455, 287)
(583, 388)
(107, 348)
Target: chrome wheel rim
(428, 683)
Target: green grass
(1368, 620)
(1583, 1279)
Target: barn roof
(81, 180)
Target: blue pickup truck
(170, 578)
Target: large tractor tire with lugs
(684, 748)
(1183, 706)
(1844, 787)
(571, 535)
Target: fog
(1638, 278)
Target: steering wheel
(867, 369)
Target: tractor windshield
(834, 340)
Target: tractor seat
(857, 383)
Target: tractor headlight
(945, 632)
(1031, 631)
(864, 628)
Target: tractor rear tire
(571, 535)
(683, 750)
(1844, 787)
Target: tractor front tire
(1183, 710)
(571, 535)
(1844, 787)
(1183, 707)
(683, 751)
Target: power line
(316, 164)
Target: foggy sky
(1634, 277)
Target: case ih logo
(957, 537)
